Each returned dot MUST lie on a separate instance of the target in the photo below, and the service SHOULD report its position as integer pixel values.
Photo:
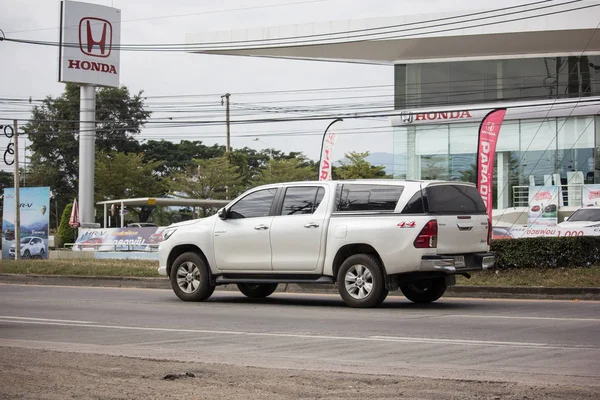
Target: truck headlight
(167, 233)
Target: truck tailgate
(462, 234)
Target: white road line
(460, 342)
(46, 319)
(457, 341)
(514, 317)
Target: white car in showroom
(583, 218)
(31, 246)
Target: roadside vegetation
(133, 268)
(554, 277)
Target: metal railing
(572, 195)
(150, 248)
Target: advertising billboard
(119, 239)
(90, 39)
(543, 206)
(35, 218)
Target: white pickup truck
(369, 236)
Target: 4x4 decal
(405, 224)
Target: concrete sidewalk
(520, 292)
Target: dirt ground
(41, 374)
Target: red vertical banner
(486, 152)
(325, 169)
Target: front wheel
(27, 254)
(190, 278)
(425, 290)
(257, 290)
(361, 282)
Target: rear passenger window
(352, 197)
(415, 205)
(302, 200)
(454, 199)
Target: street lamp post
(323, 143)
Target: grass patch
(554, 277)
(548, 277)
(135, 268)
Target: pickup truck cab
(368, 236)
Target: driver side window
(257, 204)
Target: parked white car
(586, 217)
(368, 236)
(31, 246)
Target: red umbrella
(74, 219)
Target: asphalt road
(527, 341)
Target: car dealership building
(541, 62)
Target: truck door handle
(261, 227)
(311, 225)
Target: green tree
(175, 157)
(54, 129)
(285, 170)
(355, 166)
(65, 232)
(122, 176)
(215, 178)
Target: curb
(484, 292)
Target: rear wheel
(190, 278)
(425, 290)
(42, 253)
(361, 282)
(257, 290)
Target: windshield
(585, 215)
(25, 240)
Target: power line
(190, 14)
(199, 46)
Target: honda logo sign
(91, 35)
(95, 44)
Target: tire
(424, 291)
(41, 255)
(361, 281)
(27, 254)
(257, 290)
(190, 278)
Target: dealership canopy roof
(169, 202)
(432, 37)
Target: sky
(31, 71)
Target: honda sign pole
(87, 142)
(89, 56)
(17, 196)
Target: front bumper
(162, 271)
(457, 263)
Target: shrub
(65, 232)
(547, 252)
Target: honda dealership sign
(90, 40)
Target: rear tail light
(489, 235)
(427, 238)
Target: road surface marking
(456, 341)
(460, 342)
(45, 319)
(514, 317)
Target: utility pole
(17, 196)
(228, 145)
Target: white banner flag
(326, 158)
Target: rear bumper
(456, 264)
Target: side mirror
(566, 218)
(222, 213)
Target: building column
(504, 190)
(412, 161)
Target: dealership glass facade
(529, 151)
